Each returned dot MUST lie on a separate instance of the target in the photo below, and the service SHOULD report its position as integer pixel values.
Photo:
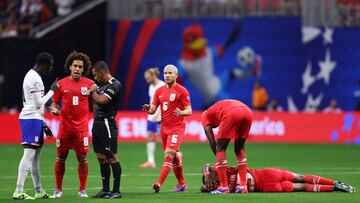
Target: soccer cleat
(58, 193)
(339, 186)
(22, 196)
(44, 195)
(220, 190)
(156, 187)
(147, 165)
(82, 194)
(115, 195)
(180, 188)
(241, 189)
(102, 194)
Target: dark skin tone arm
(210, 135)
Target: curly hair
(78, 56)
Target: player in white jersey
(33, 125)
(153, 125)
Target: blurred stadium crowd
(18, 17)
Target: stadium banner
(266, 127)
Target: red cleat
(147, 165)
(156, 187)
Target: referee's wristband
(91, 92)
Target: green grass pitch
(339, 162)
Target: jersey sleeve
(35, 86)
(113, 91)
(156, 101)
(205, 119)
(185, 98)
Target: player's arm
(38, 99)
(186, 112)
(210, 135)
(149, 108)
(100, 98)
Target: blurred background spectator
(274, 106)
(332, 108)
(259, 97)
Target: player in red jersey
(174, 101)
(73, 130)
(234, 121)
(272, 180)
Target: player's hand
(177, 112)
(47, 131)
(54, 111)
(146, 107)
(54, 86)
(93, 87)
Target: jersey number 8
(75, 100)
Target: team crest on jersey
(36, 138)
(172, 97)
(83, 90)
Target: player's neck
(170, 85)
(37, 69)
(75, 79)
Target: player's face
(48, 67)
(97, 75)
(150, 78)
(76, 69)
(170, 75)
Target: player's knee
(81, 158)
(61, 157)
(169, 153)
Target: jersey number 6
(174, 139)
(165, 106)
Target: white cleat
(82, 194)
(22, 196)
(58, 193)
(43, 195)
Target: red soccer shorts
(275, 180)
(78, 141)
(172, 136)
(235, 124)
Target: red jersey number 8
(75, 100)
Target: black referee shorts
(104, 136)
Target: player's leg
(179, 174)
(116, 169)
(24, 165)
(241, 164)
(169, 155)
(35, 174)
(304, 187)
(315, 181)
(221, 165)
(61, 155)
(99, 137)
(244, 120)
(31, 133)
(150, 146)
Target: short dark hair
(100, 66)
(78, 56)
(44, 58)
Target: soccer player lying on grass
(272, 180)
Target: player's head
(77, 65)
(151, 75)
(100, 70)
(170, 74)
(45, 62)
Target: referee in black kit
(105, 131)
